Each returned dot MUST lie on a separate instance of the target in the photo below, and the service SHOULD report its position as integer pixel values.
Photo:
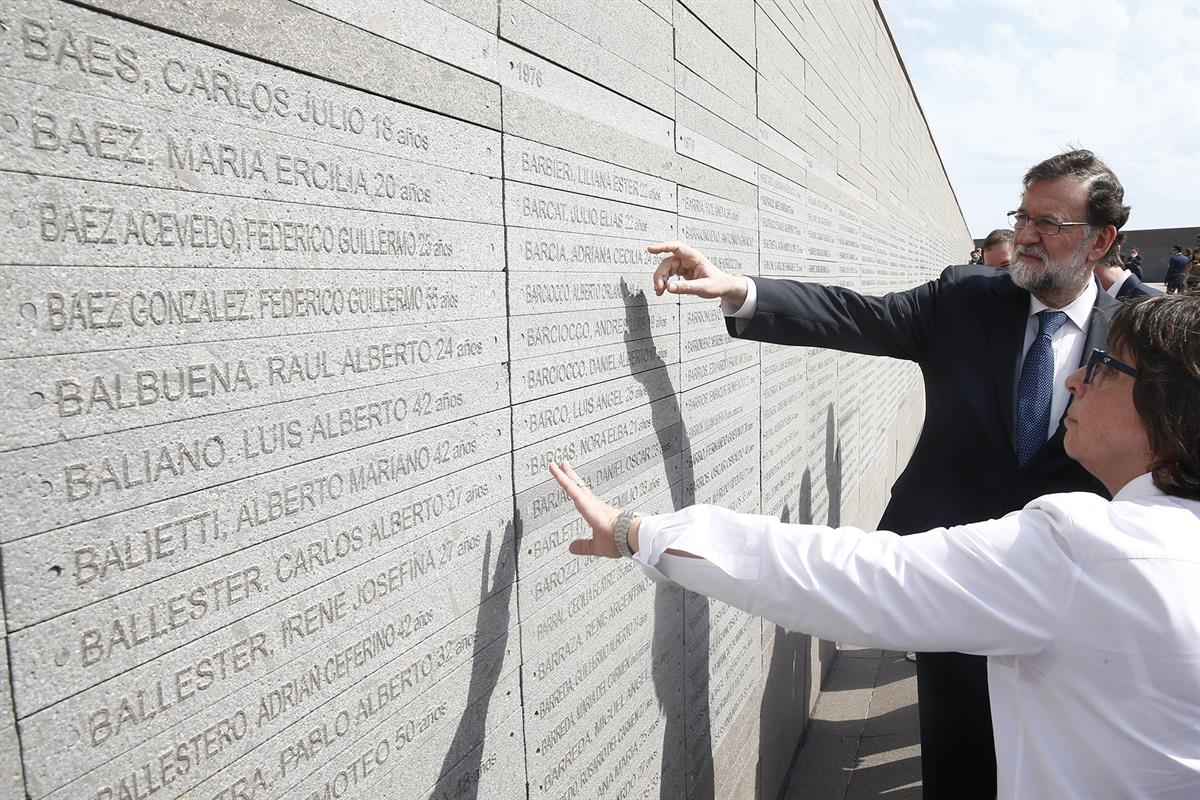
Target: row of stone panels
(288, 360)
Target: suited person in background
(995, 347)
(1118, 280)
(1134, 263)
(1176, 270)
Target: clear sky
(1006, 83)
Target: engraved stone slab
(174, 151)
(568, 331)
(732, 359)
(583, 444)
(548, 292)
(694, 144)
(544, 165)
(547, 375)
(328, 48)
(62, 221)
(539, 419)
(524, 73)
(552, 209)
(89, 561)
(420, 26)
(279, 672)
(618, 258)
(593, 41)
(84, 647)
(135, 65)
(68, 310)
(68, 396)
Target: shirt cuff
(747, 309)
(697, 530)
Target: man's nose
(1027, 234)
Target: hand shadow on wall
(672, 685)
(465, 754)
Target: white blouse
(1089, 611)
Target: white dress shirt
(1067, 342)
(1088, 611)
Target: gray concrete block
(369, 649)
(423, 27)
(551, 209)
(609, 259)
(170, 150)
(594, 42)
(49, 398)
(730, 359)
(83, 563)
(539, 419)
(585, 444)
(55, 221)
(327, 47)
(67, 310)
(541, 164)
(563, 332)
(539, 377)
(703, 52)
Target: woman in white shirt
(1088, 609)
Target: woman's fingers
(584, 547)
(598, 514)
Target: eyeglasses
(1099, 357)
(1046, 226)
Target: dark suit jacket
(967, 331)
(1132, 287)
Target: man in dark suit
(1121, 282)
(1176, 270)
(995, 348)
(1134, 263)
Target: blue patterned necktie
(1036, 388)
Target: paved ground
(863, 741)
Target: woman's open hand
(599, 515)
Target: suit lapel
(1096, 337)
(1009, 316)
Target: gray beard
(1051, 279)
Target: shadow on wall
(682, 694)
(465, 754)
(833, 468)
(783, 713)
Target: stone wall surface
(301, 298)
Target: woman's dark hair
(1162, 334)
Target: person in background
(994, 347)
(1191, 280)
(975, 256)
(997, 249)
(1086, 608)
(1176, 270)
(1119, 281)
(1133, 263)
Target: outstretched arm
(992, 588)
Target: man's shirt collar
(1078, 310)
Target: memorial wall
(301, 298)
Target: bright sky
(1006, 83)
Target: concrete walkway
(863, 740)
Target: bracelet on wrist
(621, 533)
